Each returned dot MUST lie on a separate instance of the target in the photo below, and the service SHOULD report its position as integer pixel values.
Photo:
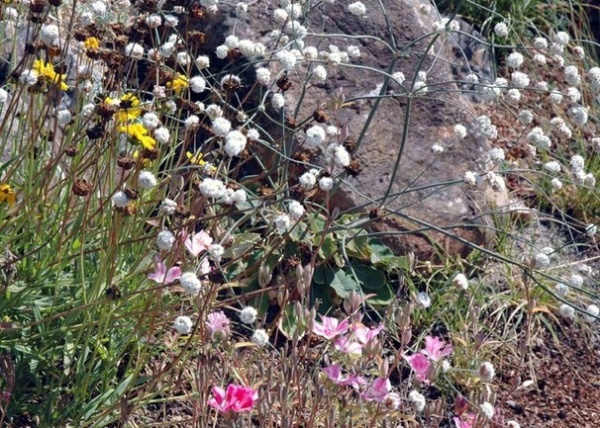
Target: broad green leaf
(289, 323)
(370, 278)
(343, 284)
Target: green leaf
(343, 284)
(323, 275)
(370, 278)
(68, 352)
(337, 279)
(243, 243)
(289, 323)
(379, 251)
(328, 248)
(359, 248)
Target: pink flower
(365, 334)
(436, 349)
(163, 276)
(467, 421)
(334, 373)
(205, 268)
(218, 324)
(198, 243)
(236, 399)
(348, 346)
(421, 366)
(377, 390)
(330, 327)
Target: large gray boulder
(415, 196)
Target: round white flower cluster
(278, 101)
(235, 143)
(248, 315)
(579, 115)
(513, 95)
(541, 260)
(471, 178)
(307, 180)
(573, 94)
(460, 281)
(519, 79)
(487, 371)
(554, 97)
(514, 60)
(168, 206)
(539, 58)
(567, 311)
(571, 74)
(287, 59)
(120, 199)
(537, 138)
(437, 149)
(552, 166)
(460, 131)
(417, 400)
(263, 76)
(216, 251)
(540, 43)
(320, 73)
(315, 135)
(162, 135)
(260, 337)
(134, 50)
(147, 180)
(183, 324)
(497, 156)
(150, 121)
(561, 127)
(197, 84)
(282, 223)
(525, 117)
(296, 210)
(221, 126)
(501, 29)
(49, 34)
(231, 196)
(165, 240)
(212, 188)
(337, 154)
(326, 183)
(357, 8)
(190, 283)
(593, 312)
(562, 38)
(484, 126)
(594, 78)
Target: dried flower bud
(264, 275)
(81, 187)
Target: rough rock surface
(414, 192)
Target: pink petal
(159, 273)
(173, 274)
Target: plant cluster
(171, 244)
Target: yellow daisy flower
(129, 107)
(7, 194)
(196, 158)
(91, 43)
(178, 84)
(46, 70)
(139, 134)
